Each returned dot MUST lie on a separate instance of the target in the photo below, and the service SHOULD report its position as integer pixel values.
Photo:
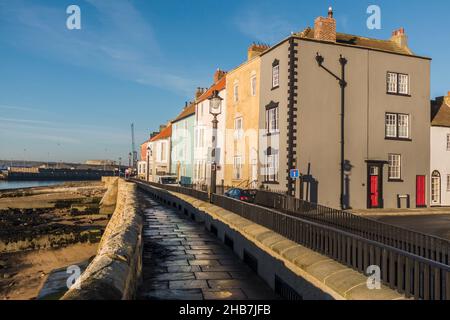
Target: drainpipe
(343, 84)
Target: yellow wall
(247, 107)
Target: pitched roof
(187, 111)
(219, 86)
(440, 116)
(164, 134)
(342, 38)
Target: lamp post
(149, 152)
(215, 109)
(343, 84)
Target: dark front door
(374, 185)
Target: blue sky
(72, 95)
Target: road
(437, 225)
(183, 261)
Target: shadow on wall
(309, 190)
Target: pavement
(183, 261)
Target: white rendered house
(440, 152)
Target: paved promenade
(183, 261)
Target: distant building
(144, 162)
(182, 143)
(440, 152)
(100, 162)
(203, 132)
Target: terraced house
(243, 94)
(182, 142)
(160, 146)
(351, 113)
(440, 152)
(203, 132)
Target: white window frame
(448, 142)
(253, 85)
(392, 82)
(397, 125)
(236, 92)
(448, 182)
(237, 166)
(398, 83)
(391, 125)
(272, 168)
(272, 120)
(395, 166)
(403, 126)
(403, 83)
(276, 76)
(238, 128)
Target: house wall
(160, 165)
(440, 161)
(182, 147)
(247, 108)
(366, 104)
(203, 144)
(279, 95)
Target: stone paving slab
(183, 261)
(320, 270)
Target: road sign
(295, 174)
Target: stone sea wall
(115, 272)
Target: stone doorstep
(327, 273)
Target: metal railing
(408, 272)
(427, 246)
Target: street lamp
(343, 84)
(149, 152)
(215, 109)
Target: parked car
(167, 180)
(241, 194)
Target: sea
(5, 184)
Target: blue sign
(295, 174)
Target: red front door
(374, 192)
(420, 191)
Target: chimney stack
(198, 93)
(325, 28)
(162, 127)
(256, 49)
(447, 99)
(219, 74)
(400, 38)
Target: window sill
(398, 94)
(396, 180)
(274, 88)
(398, 139)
